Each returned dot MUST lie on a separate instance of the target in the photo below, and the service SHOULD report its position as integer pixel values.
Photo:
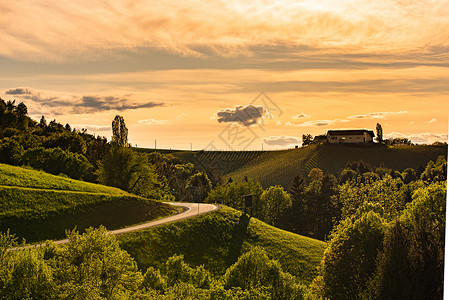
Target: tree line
(384, 228)
(60, 150)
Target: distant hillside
(38, 206)
(226, 161)
(217, 239)
(282, 166)
(279, 167)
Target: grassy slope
(217, 239)
(22, 177)
(38, 206)
(282, 166)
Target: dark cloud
(243, 115)
(281, 140)
(84, 104)
(18, 91)
(96, 103)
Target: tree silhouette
(119, 132)
(379, 133)
(307, 139)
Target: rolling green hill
(279, 167)
(217, 239)
(284, 165)
(38, 206)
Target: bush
(30, 277)
(57, 161)
(254, 270)
(10, 151)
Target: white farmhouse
(350, 136)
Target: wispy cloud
(222, 27)
(420, 138)
(243, 115)
(377, 115)
(281, 140)
(431, 121)
(317, 123)
(300, 116)
(153, 122)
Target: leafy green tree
(382, 171)
(57, 161)
(316, 174)
(30, 277)
(231, 195)
(369, 177)
(390, 193)
(119, 132)
(411, 266)
(318, 210)
(22, 116)
(293, 218)
(425, 217)
(346, 175)
(178, 271)
(179, 174)
(394, 277)
(93, 266)
(7, 241)
(277, 201)
(154, 280)
(408, 175)
(125, 169)
(11, 151)
(350, 258)
(297, 187)
(435, 171)
(68, 141)
(200, 185)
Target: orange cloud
(65, 30)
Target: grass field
(38, 206)
(217, 239)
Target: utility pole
(262, 146)
(154, 144)
(191, 147)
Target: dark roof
(350, 132)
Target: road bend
(187, 210)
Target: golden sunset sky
(174, 69)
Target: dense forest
(384, 228)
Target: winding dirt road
(189, 210)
